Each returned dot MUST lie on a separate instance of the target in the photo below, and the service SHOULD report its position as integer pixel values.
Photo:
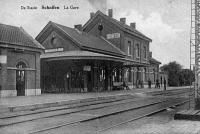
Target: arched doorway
(20, 78)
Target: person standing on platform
(156, 85)
(165, 84)
(161, 81)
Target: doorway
(20, 79)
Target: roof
(17, 36)
(87, 41)
(152, 60)
(124, 27)
(66, 55)
(79, 55)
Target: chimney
(110, 13)
(123, 20)
(150, 54)
(79, 27)
(133, 25)
(91, 15)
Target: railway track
(90, 114)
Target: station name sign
(54, 50)
(113, 36)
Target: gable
(55, 41)
(52, 38)
(108, 29)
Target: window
(129, 48)
(145, 52)
(137, 50)
(145, 74)
(129, 75)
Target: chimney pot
(79, 27)
(123, 20)
(91, 15)
(133, 25)
(110, 13)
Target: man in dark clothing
(165, 84)
(161, 81)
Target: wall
(108, 28)
(32, 72)
(59, 42)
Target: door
(20, 79)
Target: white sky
(166, 22)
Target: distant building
(19, 62)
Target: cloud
(99, 5)
(167, 22)
(168, 42)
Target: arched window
(129, 48)
(21, 65)
(145, 74)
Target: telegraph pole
(195, 47)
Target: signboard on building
(54, 50)
(87, 68)
(3, 59)
(113, 36)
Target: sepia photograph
(99, 67)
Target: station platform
(19, 103)
(193, 115)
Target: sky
(166, 22)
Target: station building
(101, 55)
(19, 62)
(75, 61)
(141, 66)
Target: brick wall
(108, 28)
(8, 71)
(59, 42)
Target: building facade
(19, 62)
(141, 66)
(75, 61)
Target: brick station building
(102, 55)
(75, 61)
(141, 66)
(19, 62)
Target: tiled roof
(17, 36)
(125, 27)
(88, 41)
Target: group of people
(158, 84)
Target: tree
(187, 77)
(173, 69)
(176, 75)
